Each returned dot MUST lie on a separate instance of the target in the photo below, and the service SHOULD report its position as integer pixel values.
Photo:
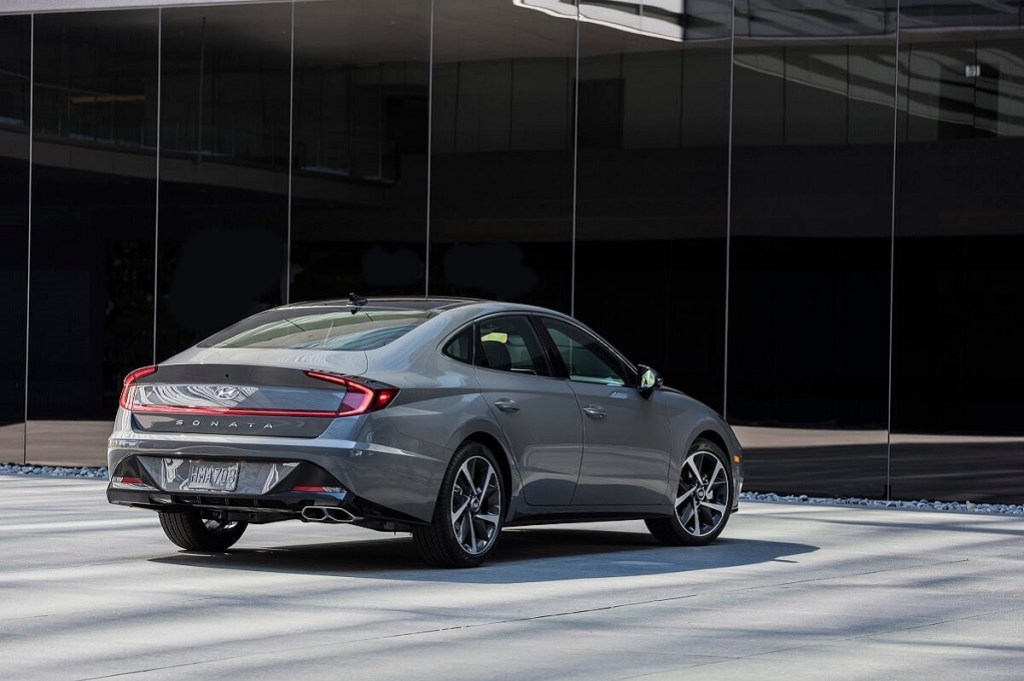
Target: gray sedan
(446, 418)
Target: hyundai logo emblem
(227, 392)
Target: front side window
(510, 344)
(585, 357)
(319, 329)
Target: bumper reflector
(129, 482)
(317, 489)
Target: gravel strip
(771, 497)
(54, 471)
(922, 505)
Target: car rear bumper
(333, 505)
(393, 477)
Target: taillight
(129, 482)
(361, 397)
(128, 391)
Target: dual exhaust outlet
(327, 514)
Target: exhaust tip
(339, 515)
(327, 514)
(314, 513)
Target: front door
(626, 438)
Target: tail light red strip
(359, 399)
(128, 391)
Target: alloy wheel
(702, 499)
(476, 505)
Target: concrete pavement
(89, 590)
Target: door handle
(594, 412)
(506, 405)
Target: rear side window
(319, 329)
(461, 347)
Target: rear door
(537, 412)
(626, 438)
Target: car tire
(703, 499)
(192, 532)
(469, 512)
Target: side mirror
(650, 380)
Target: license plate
(210, 476)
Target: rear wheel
(191, 531)
(702, 499)
(469, 512)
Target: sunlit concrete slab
(91, 590)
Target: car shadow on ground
(524, 555)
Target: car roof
(424, 304)
(458, 310)
(397, 303)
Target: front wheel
(469, 512)
(702, 500)
(192, 532)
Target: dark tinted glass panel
(360, 177)
(223, 168)
(95, 84)
(814, 18)
(501, 171)
(461, 347)
(958, 14)
(15, 38)
(810, 252)
(651, 207)
(585, 358)
(958, 328)
(92, 224)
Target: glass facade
(222, 228)
(15, 83)
(812, 160)
(806, 214)
(93, 191)
(501, 162)
(651, 210)
(360, 140)
(958, 324)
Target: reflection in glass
(225, 83)
(810, 249)
(958, 329)
(803, 19)
(928, 15)
(223, 223)
(92, 224)
(502, 164)
(359, 189)
(15, 37)
(94, 84)
(651, 207)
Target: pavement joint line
(835, 641)
(706, 660)
(568, 613)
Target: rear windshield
(319, 329)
